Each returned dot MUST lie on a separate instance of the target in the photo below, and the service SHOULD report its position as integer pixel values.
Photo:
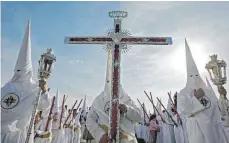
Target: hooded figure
(83, 116)
(77, 128)
(98, 115)
(43, 136)
(145, 129)
(160, 123)
(18, 97)
(68, 128)
(57, 134)
(167, 127)
(199, 105)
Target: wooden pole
(62, 110)
(167, 112)
(50, 113)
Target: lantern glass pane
(46, 65)
(48, 68)
(223, 72)
(219, 72)
(212, 75)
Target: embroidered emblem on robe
(9, 101)
(107, 108)
(205, 102)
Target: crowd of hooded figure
(194, 116)
(163, 126)
(66, 126)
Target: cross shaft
(116, 39)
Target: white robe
(178, 131)
(99, 115)
(77, 131)
(159, 134)
(69, 133)
(22, 117)
(83, 126)
(138, 130)
(146, 133)
(205, 126)
(184, 120)
(40, 128)
(57, 134)
(83, 123)
(167, 129)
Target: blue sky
(80, 69)
(50, 23)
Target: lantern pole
(46, 63)
(217, 71)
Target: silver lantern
(46, 64)
(217, 70)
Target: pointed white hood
(210, 87)
(108, 85)
(169, 105)
(194, 80)
(57, 102)
(107, 88)
(208, 84)
(83, 111)
(23, 68)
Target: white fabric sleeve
(22, 122)
(37, 128)
(134, 114)
(45, 101)
(92, 125)
(188, 105)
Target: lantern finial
(213, 57)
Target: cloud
(158, 69)
(75, 62)
(162, 68)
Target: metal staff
(167, 112)
(151, 100)
(46, 63)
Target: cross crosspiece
(117, 39)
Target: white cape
(205, 126)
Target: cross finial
(118, 14)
